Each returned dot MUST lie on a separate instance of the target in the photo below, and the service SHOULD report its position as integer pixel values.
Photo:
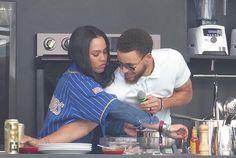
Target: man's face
(132, 65)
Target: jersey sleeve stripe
(101, 117)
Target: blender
(209, 38)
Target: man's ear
(149, 56)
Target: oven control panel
(56, 44)
(52, 43)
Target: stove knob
(49, 43)
(65, 43)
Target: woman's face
(98, 54)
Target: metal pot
(149, 139)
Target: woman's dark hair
(135, 39)
(78, 51)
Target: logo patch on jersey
(55, 106)
(97, 90)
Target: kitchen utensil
(225, 140)
(179, 116)
(230, 106)
(234, 140)
(229, 109)
(105, 147)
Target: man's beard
(135, 76)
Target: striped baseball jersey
(76, 96)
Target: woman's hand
(130, 130)
(30, 141)
(179, 131)
(67, 133)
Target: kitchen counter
(93, 156)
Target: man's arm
(65, 134)
(180, 97)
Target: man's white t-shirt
(170, 72)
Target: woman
(79, 102)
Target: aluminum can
(11, 141)
(21, 132)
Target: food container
(119, 145)
(28, 150)
(123, 142)
(115, 150)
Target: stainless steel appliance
(52, 60)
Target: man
(162, 75)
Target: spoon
(105, 147)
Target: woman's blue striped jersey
(76, 96)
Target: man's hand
(152, 105)
(180, 97)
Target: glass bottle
(194, 142)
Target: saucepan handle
(179, 116)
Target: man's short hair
(135, 39)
